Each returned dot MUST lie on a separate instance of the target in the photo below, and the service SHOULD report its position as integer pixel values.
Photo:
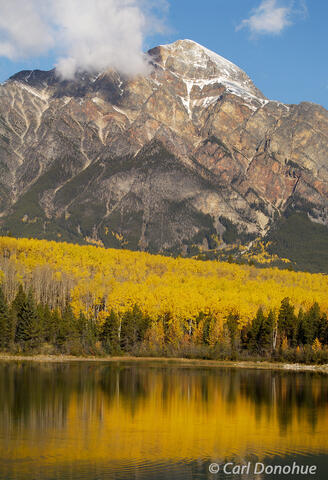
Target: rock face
(191, 156)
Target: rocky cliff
(190, 158)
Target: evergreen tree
(142, 323)
(232, 325)
(302, 333)
(66, 327)
(61, 329)
(49, 325)
(128, 331)
(255, 332)
(87, 333)
(244, 336)
(260, 334)
(313, 319)
(4, 322)
(287, 326)
(20, 299)
(28, 326)
(69, 318)
(133, 328)
(323, 329)
(310, 325)
(110, 334)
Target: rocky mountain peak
(193, 62)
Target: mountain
(190, 158)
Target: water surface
(127, 421)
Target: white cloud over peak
(89, 35)
(272, 17)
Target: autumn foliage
(177, 300)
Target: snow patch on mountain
(199, 67)
(199, 55)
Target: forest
(58, 298)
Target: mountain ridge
(190, 158)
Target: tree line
(95, 280)
(30, 327)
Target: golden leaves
(101, 279)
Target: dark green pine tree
(87, 333)
(110, 334)
(287, 324)
(20, 299)
(313, 321)
(69, 318)
(261, 332)
(128, 331)
(323, 329)
(244, 337)
(302, 334)
(28, 331)
(4, 322)
(60, 328)
(66, 328)
(19, 305)
(48, 323)
(142, 323)
(232, 325)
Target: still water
(145, 421)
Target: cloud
(85, 35)
(271, 17)
(23, 30)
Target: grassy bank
(164, 361)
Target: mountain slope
(192, 157)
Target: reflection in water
(126, 421)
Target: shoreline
(181, 362)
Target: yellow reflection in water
(112, 414)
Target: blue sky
(281, 44)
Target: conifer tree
(69, 318)
(61, 330)
(109, 334)
(287, 326)
(232, 325)
(258, 340)
(141, 321)
(302, 334)
(260, 334)
(28, 327)
(323, 329)
(66, 326)
(49, 325)
(128, 331)
(86, 332)
(313, 318)
(4, 321)
(20, 299)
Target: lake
(148, 420)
